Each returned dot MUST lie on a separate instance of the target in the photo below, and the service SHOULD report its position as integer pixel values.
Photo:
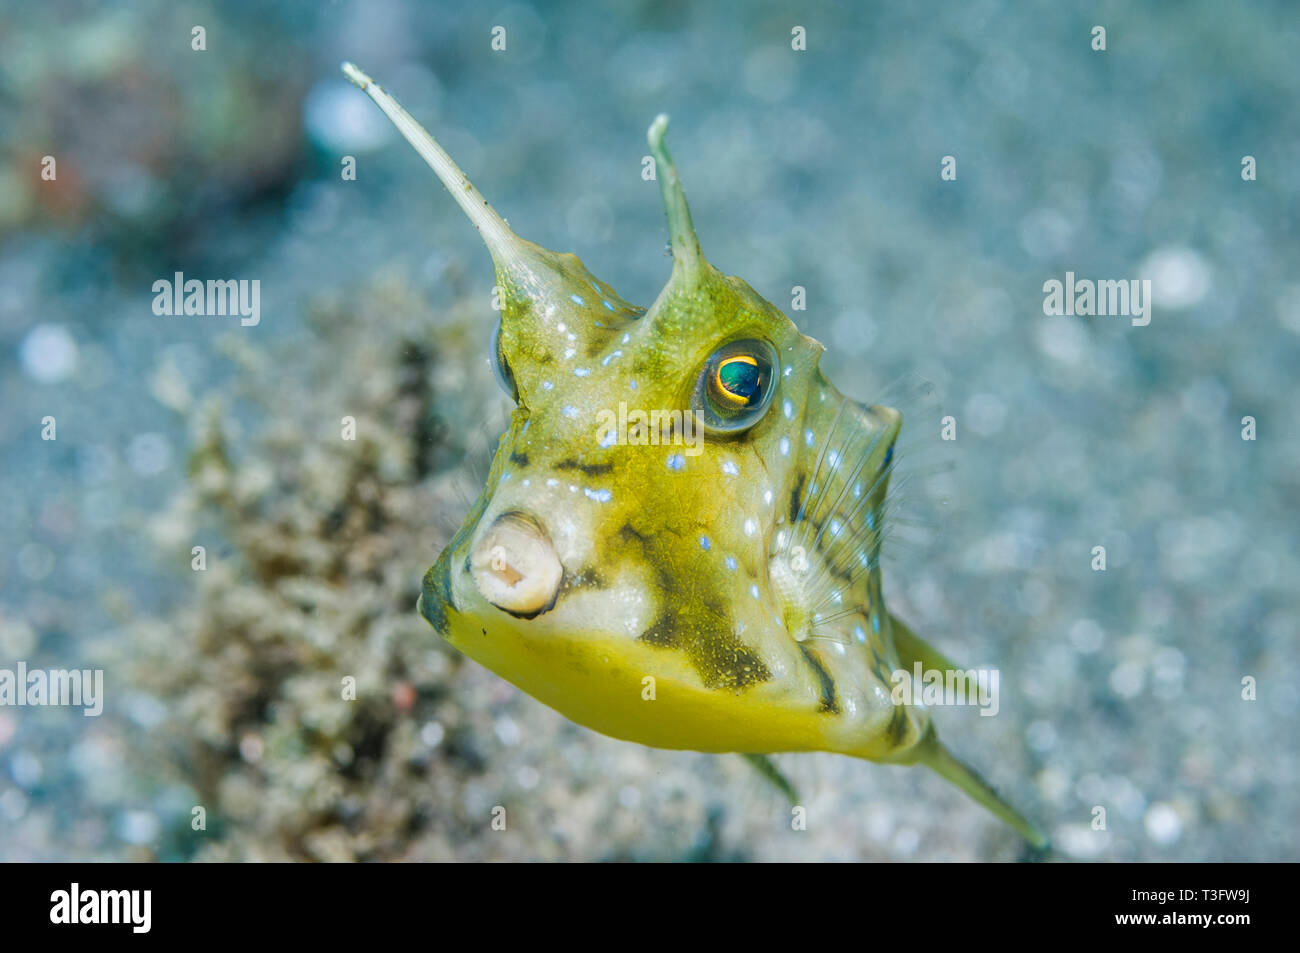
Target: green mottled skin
(646, 537)
(728, 601)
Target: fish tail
(932, 753)
(912, 648)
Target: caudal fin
(932, 753)
(912, 648)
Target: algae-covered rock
(311, 705)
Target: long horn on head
(689, 296)
(501, 241)
(686, 246)
(554, 285)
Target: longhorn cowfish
(678, 542)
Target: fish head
(678, 540)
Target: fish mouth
(514, 566)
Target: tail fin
(932, 753)
(912, 648)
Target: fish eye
(736, 385)
(501, 367)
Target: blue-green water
(819, 168)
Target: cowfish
(678, 541)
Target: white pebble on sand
(1180, 277)
(48, 353)
(1162, 823)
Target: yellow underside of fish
(638, 692)
(716, 588)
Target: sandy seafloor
(1121, 689)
